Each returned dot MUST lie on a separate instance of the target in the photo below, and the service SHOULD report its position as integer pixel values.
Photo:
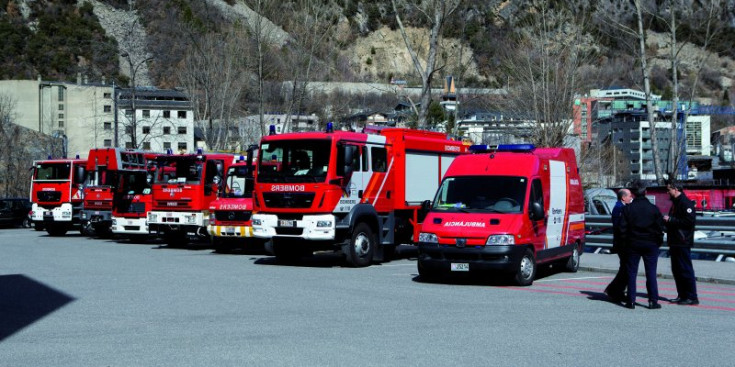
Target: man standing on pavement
(615, 291)
(680, 232)
(641, 231)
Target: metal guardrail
(721, 246)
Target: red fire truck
(183, 187)
(133, 201)
(360, 193)
(230, 223)
(507, 209)
(105, 167)
(57, 194)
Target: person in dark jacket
(615, 291)
(680, 237)
(641, 232)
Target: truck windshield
(239, 183)
(294, 161)
(134, 183)
(481, 194)
(52, 171)
(178, 170)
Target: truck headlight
(501, 239)
(84, 215)
(114, 221)
(152, 218)
(428, 238)
(257, 222)
(324, 224)
(65, 214)
(211, 218)
(191, 219)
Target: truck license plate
(460, 267)
(286, 223)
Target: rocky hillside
(58, 39)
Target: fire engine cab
(133, 200)
(183, 187)
(230, 215)
(359, 193)
(105, 168)
(57, 193)
(507, 209)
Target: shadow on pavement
(24, 301)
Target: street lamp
(133, 72)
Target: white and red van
(505, 209)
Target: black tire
(572, 264)
(38, 226)
(55, 230)
(526, 271)
(175, 239)
(359, 252)
(426, 275)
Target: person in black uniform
(680, 237)
(641, 231)
(615, 291)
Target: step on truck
(358, 193)
(133, 201)
(230, 216)
(57, 194)
(505, 209)
(183, 187)
(105, 167)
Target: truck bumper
(131, 226)
(95, 216)
(439, 258)
(321, 227)
(63, 214)
(230, 231)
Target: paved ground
(75, 301)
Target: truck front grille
(232, 216)
(288, 199)
(48, 196)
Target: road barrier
(720, 231)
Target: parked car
(14, 211)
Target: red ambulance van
(505, 209)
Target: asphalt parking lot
(77, 301)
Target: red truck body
(506, 210)
(105, 167)
(183, 188)
(133, 200)
(355, 192)
(57, 194)
(230, 216)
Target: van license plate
(286, 223)
(460, 267)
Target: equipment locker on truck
(505, 209)
(359, 193)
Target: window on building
(128, 145)
(128, 112)
(166, 130)
(129, 130)
(182, 130)
(107, 95)
(61, 93)
(107, 125)
(166, 145)
(107, 143)
(61, 123)
(182, 114)
(167, 114)
(147, 145)
(61, 115)
(108, 108)
(146, 113)
(146, 129)
(61, 106)
(182, 145)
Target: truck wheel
(573, 261)
(526, 269)
(175, 239)
(361, 248)
(56, 231)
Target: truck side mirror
(348, 162)
(79, 174)
(425, 205)
(537, 211)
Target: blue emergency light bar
(516, 148)
(272, 130)
(200, 151)
(330, 127)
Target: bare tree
(435, 12)
(214, 76)
(543, 64)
